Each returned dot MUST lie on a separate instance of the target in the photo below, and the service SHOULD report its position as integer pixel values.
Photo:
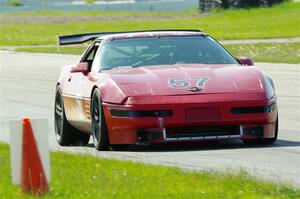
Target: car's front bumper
(193, 118)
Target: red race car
(161, 86)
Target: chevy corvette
(160, 86)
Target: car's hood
(179, 79)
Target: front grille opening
(221, 130)
(142, 113)
(256, 131)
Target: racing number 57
(182, 83)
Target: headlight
(136, 89)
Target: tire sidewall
(100, 142)
(58, 137)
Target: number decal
(79, 106)
(181, 83)
(200, 81)
(178, 83)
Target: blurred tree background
(207, 5)
(248, 3)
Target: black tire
(264, 140)
(99, 129)
(66, 134)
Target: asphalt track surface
(27, 85)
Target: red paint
(33, 179)
(118, 84)
(147, 88)
(197, 115)
(149, 34)
(121, 127)
(245, 61)
(81, 68)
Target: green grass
(268, 52)
(79, 176)
(280, 21)
(264, 52)
(71, 50)
(96, 12)
(89, 1)
(14, 2)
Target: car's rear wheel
(264, 140)
(99, 129)
(66, 134)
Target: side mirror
(82, 67)
(245, 61)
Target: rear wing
(81, 38)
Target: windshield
(135, 52)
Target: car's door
(77, 91)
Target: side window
(90, 55)
(96, 63)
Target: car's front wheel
(99, 130)
(66, 135)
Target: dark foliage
(248, 3)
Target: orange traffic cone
(33, 179)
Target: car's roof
(142, 34)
